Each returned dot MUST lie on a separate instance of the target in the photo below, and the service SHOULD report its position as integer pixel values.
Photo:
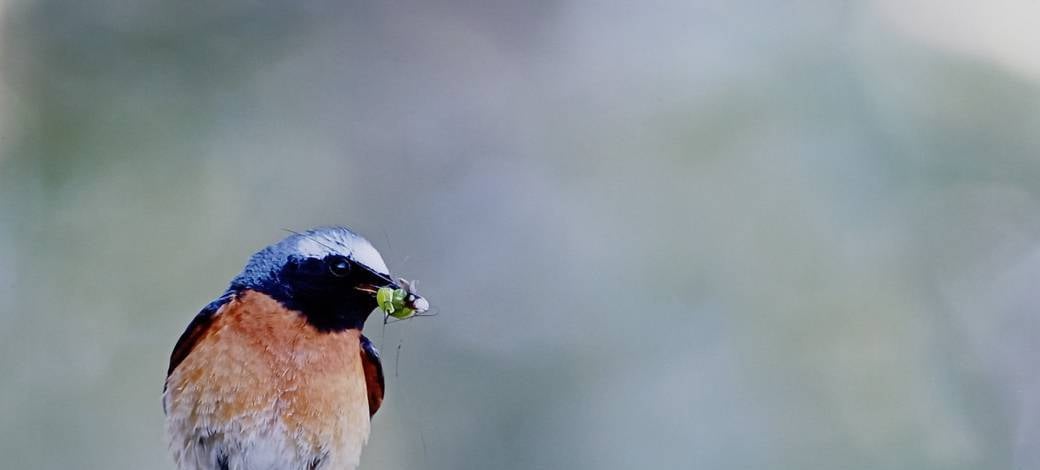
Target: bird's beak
(376, 281)
(374, 288)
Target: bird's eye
(339, 266)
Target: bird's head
(330, 275)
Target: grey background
(726, 235)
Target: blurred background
(686, 234)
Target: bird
(275, 373)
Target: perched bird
(275, 373)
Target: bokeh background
(678, 234)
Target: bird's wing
(373, 368)
(196, 329)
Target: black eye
(339, 266)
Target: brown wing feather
(194, 332)
(373, 367)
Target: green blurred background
(687, 234)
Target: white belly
(257, 451)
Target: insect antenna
(390, 249)
(426, 314)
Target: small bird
(275, 374)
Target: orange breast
(260, 374)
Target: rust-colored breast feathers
(256, 369)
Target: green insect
(401, 303)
